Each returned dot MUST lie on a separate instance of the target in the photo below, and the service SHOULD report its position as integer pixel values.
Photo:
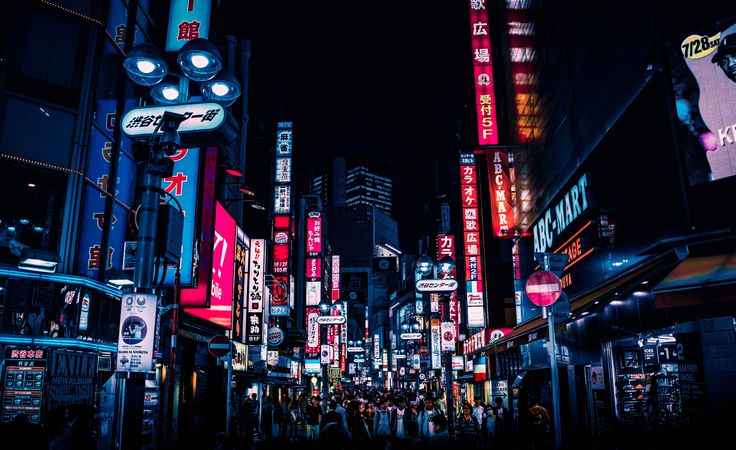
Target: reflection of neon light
(62, 278)
(58, 342)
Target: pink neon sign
(485, 100)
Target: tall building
(354, 182)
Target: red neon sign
(498, 179)
(485, 100)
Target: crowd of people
(373, 418)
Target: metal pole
(229, 363)
(171, 378)
(553, 368)
(150, 194)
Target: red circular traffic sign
(219, 346)
(543, 288)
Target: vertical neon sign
(485, 100)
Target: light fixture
(199, 59)
(38, 260)
(424, 264)
(416, 326)
(324, 305)
(37, 229)
(223, 89)
(118, 278)
(167, 92)
(145, 65)
(446, 264)
(31, 185)
(405, 327)
(243, 188)
(24, 221)
(258, 206)
(231, 170)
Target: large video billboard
(703, 69)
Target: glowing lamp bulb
(145, 66)
(170, 93)
(220, 89)
(199, 61)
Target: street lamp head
(200, 60)
(446, 264)
(405, 327)
(424, 264)
(145, 65)
(416, 326)
(324, 305)
(167, 92)
(223, 89)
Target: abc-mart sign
(331, 320)
(436, 285)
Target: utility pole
(553, 365)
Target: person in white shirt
(426, 428)
(478, 409)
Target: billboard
(240, 276)
(472, 241)
(222, 279)
(312, 346)
(314, 235)
(188, 20)
(335, 278)
(283, 170)
(703, 78)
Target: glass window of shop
(45, 309)
(31, 212)
(646, 382)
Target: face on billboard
(704, 82)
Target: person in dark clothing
(361, 432)
(312, 419)
(267, 418)
(442, 439)
(331, 416)
(467, 427)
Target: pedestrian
(426, 429)
(503, 422)
(382, 422)
(250, 416)
(361, 432)
(441, 438)
(398, 424)
(467, 427)
(488, 427)
(331, 416)
(267, 418)
(312, 419)
(478, 409)
(539, 424)
(411, 419)
(293, 419)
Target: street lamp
(199, 61)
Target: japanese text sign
(256, 293)
(188, 20)
(500, 183)
(314, 235)
(485, 101)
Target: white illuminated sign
(331, 320)
(201, 117)
(444, 285)
(410, 336)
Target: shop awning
(699, 272)
(536, 328)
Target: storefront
(58, 340)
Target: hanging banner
(472, 242)
(240, 275)
(447, 332)
(436, 345)
(500, 184)
(256, 294)
(312, 346)
(137, 329)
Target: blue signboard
(117, 23)
(188, 20)
(183, 186)
(89, 254)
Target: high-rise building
(355, 182)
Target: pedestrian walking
(312, 419)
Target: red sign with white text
(485, 99)
(314, 235)
(446, 247)
(314, 268)
(472, 241)
(498, 180)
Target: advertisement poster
(704, 81)
(71, 378)
(137, 329)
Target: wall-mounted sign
(314, 235)
(485, 98)
(472, 242)
(188, 20)
(555, 220)
(282, 199)
(283, 138)
(436, 285)
(500, 183)
(24, 381)
(312, 346)
(399, 356)
(71, 378)
(137, 329)
(256, 293)
(205, 123)
(240, 357)
(314, 290)
(355, 350)
(335, 278)
(275, 336)
(331, 320)
(458, 363)
(283, 170)
(436, 354)
(447, 333)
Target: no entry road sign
(219, 346)
(543, 288)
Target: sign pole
(553, 368)
(229, 361)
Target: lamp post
(199, 61)
(425, 265)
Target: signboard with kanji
(204, 123)
(188, 20)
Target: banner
(447, 331)
(137, 329)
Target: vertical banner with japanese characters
(256, 293)
(282, 221)
(96, 176)
(472, 241)
(502, 213)
(240, 285)
(188, 20)
(485, 100)
(312, 346)
(446, 248)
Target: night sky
(385, 78)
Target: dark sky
(386, 78)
